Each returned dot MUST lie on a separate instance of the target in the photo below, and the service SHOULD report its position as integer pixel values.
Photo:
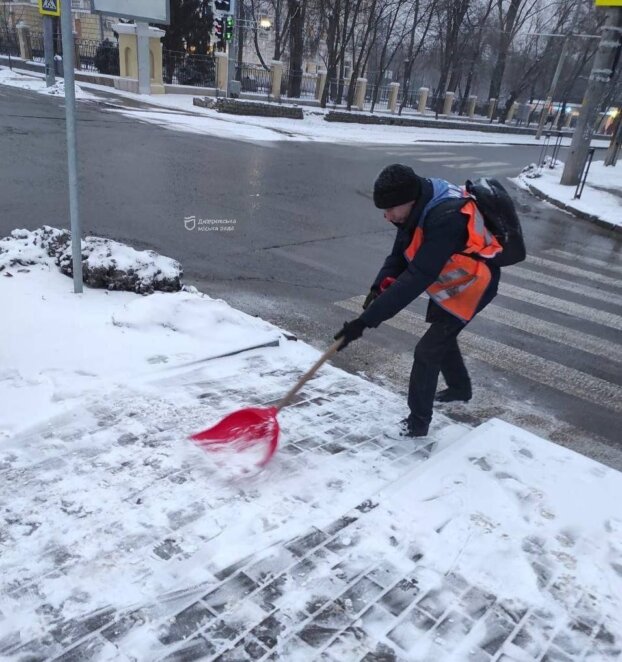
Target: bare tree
(392, 40)
(476, 25)
(511, 15)
(450, 22)
(419, 16)
(342, 21)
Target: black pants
(436, 352)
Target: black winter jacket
(445, 233)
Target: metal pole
(144, 64)
(586, 169)
(600, 77)
(231, 46)
(70, 122)
(48, 49)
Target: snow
(27, 81)
(601, 197)
(184, 116)
(505, 498)
(100, 391)
(58, 371)
(101, 484)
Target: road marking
(593, 262)
(554, 332)
(439, 156)
(511, 359)
(482, 165)
(574, 271)
(552, 303)
(563, 284)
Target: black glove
(374, 293)
(351, 331)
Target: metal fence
(90, 54)
(308, 83)
(254, 78)
(382, 95)
(180, 68)
(338, 90)
(9, 44)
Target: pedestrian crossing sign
(608, 3)
(49, 7)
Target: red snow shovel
(253, 425)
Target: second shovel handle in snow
(289, 396)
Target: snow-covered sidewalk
(122, 540)
(601, 198)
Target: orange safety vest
(463, 280)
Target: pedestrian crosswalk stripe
(574, 271)
(511, 359)
(563, 284)
(592, 262)
(588, 313)
(555, 332)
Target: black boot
(454, 395)
(410, 428)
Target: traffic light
(222, 5)
(229, 28)
(219, 29)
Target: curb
(573, 210)
(429, 123)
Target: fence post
(359, 93)
(471, 106)
(492, 105)
(25, 45)
(394, 89)
(276, 69)
(128, 56)
(155, 61)
(511, 112)
(320, 82)
(423, 99)
(449, 99)
(222, 70)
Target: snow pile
(534, 171)
(46, 362)
(105, 263)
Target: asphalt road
(288, 231)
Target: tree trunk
(332, 43)
(507, 28)
(296, 41)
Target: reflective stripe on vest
(464, 279)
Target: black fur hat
(396, 185)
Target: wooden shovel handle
(289, 396)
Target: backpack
(500, 217)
